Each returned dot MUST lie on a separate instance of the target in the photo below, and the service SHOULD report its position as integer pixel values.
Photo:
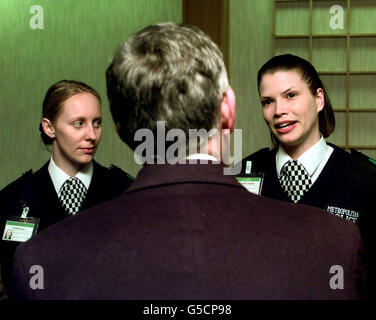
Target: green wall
(77, 42)
(250, 47)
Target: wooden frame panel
(212, 17)
(353, 49)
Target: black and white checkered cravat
(295, 180)
(72, 194)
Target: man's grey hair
(166, 72)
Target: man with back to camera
(187, 230)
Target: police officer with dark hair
(302, 167)
(70, 181)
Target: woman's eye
(266, 101)
(291, 95)
(98, 123)
(78, 124)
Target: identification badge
(20, 229)
(248, 167)
(252, 183)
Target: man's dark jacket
(190, 232)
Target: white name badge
(20, 229)
(252, 184)
(248, 167)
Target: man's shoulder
(101, 227)
(72, 237)
(67, 233)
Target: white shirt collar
(58, 176)
(202, 156)
(309, 159)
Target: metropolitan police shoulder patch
(347, 214)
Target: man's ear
(228, 111)
(48, 128)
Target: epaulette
(26, 175)
(362, 171)
(28, 172)
(26, 178)
(22, 181)
(130, 177)
(362, 156)
(116, 169)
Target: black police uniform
(37, 192)
(345, 187)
